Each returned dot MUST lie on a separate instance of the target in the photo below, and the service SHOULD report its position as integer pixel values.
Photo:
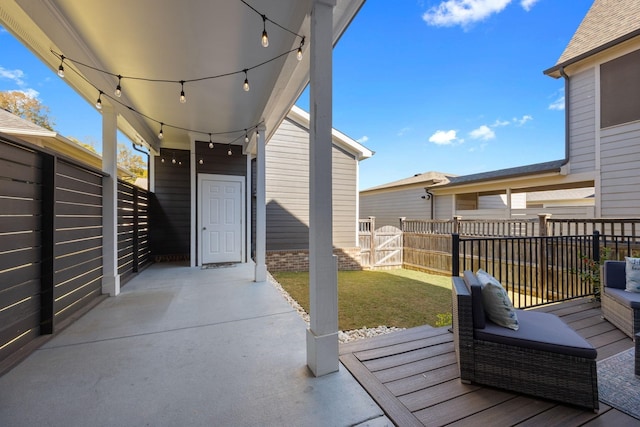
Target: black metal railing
(533, 270)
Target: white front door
(221, 214)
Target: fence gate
(381, 248)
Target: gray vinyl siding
(287, 191)
(582, 110)
(619, 160)
(444, 206)
(389, 206)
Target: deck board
(413, 376)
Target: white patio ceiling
(177, 40)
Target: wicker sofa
(543, 358)
(619, 307)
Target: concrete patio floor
(183, 346)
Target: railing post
(595, 249)
(455, 254)
(542, 252)
(543, 220)
(456, 224)
(402, 220)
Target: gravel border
(343, 336)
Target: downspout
(567, 123)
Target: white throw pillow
(496, 301)
(632, 273)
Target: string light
(183, 98)
(246, 137)
(229, 152)
(210, 142)
(162, 160)
(201, 161)
(173, 159)
(245, 86)
(61, 67)
(265, 38)
(118, 91)
(299, 53)
(99, 101)
(161, 133)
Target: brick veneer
(348, 259)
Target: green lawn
(400, 298)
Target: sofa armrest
(462, 324)
(613, 274)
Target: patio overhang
(211, 42)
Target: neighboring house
(403, 198)
(287, 195)
(599, 176)
(601, 68)
(514, 192)
(52, 140)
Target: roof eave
(555, 70)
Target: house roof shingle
(10, 123)
(607, 22)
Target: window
(620, 90)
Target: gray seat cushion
(629, 299)
(539, 331)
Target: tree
(27, 107)
(130, 161)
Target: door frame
(243, 219)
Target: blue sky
(452, 86)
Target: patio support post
(322, 335)
(261, 208)
(110, 276)
(193, 210)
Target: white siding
(582, 109)
(619, 169)
(287, 192)
(389, 206)
(444, 206)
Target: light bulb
(245, 86)
(61, 67)
(246, 137)
(162, 160)
(265, 39)
(173, 161)
(183, 98)
(211, 145)
(99, 102)
(299, 54)
(229, 152)
(201, 161)
(118, 91)
(161, 133)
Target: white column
(261, 207)
(110, 276)
(194, 224)
(249, 208)
(322, 335)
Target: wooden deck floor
(413, 376)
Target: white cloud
(31, 93)
(499, 123)
(403, 131)
(450, 13)
(521, 121)
(14, 75)
(443, 137)
(528, 4)
(558, 104)
(362, 140)
(483, 132)
(462, 12)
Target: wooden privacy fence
(51, 240)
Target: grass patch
(400, 298)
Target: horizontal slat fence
(51, 241)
